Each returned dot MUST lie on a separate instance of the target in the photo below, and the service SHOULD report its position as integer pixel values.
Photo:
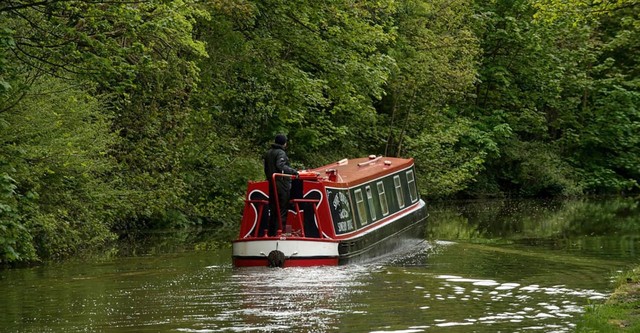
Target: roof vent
(333, 174)
(387, 162)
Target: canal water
(489, 266)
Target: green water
(491, 266)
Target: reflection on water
(292, 299)
(450, 292)
(487, 267)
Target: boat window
(383, 199)
(372, 207)
(399, 194)
(362, 212)
(411, 181)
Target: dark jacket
(276, 161)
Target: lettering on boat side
(341, 211)
(345, 226)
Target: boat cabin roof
(351, 172)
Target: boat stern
(285, 252)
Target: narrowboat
(345, 212)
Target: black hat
(281, 139)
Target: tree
(138, 58)
(57, 194)
(602, 139)
(310, 68)
(520, 80)
(435, 51)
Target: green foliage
(607, 147)
(605, 319)
(104, 41)
(553, 80)
(217, 167)
(15, 240)
(435, 51)
(6, 42)
(599, 134)
(533, 169)
(435, 67)
(306, 67)
(449, 156)
(619, 313)
(516, 76)
(59, 194)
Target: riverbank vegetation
(620, 312)
(120, 116)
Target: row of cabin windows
(382, 197)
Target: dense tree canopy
(118, 116)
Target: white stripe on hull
(290, 247)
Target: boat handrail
(273, 183)
(296, 203)
(261, 205)
(370, 161)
